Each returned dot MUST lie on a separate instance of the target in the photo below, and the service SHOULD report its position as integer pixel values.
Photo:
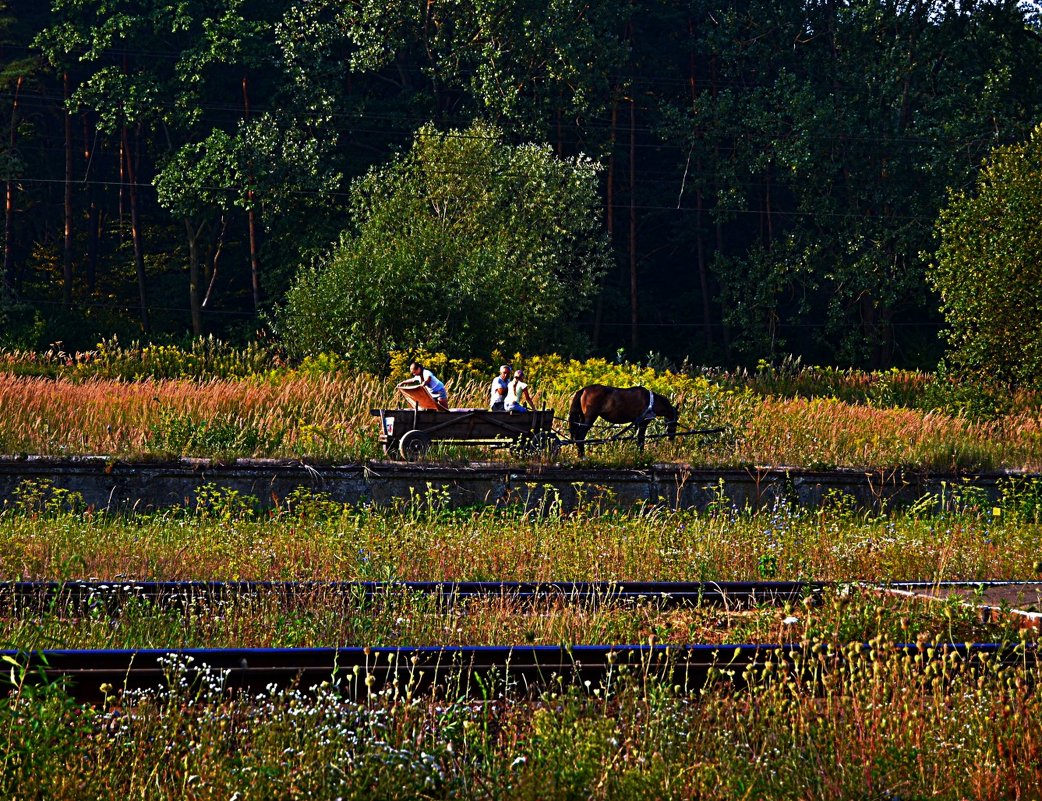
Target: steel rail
(448, 672)
(81, 597)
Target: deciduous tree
(988, 268)
(463, 244)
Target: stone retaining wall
(116, 485)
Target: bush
(988, 269)
(499, 253)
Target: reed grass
(327, 418)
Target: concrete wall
(143, 486)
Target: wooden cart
(410, 432)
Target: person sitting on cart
(436, 387)
(500, 385)
(517, 391)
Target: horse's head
(668, 412)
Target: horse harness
(649, 413)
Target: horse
(636, 406)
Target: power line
(411, 122)
(777, 325)
(709, 211)
(134, 309)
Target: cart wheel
(414, 445)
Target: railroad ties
(484, 672)
(77, 598)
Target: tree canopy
(462, 244)
(988, 268)
(771, 172)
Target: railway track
(80, 597)
(92, 675)
(449, 672)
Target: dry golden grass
(329, 418)
(828, 433)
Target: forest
(770, 174)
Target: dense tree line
(771, 172)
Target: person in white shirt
(517, 391)
(498, 393)
(430, 381)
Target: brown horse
(636, 405)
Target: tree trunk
(609, 220)
(767, 211)
(700, 251)
(194, 276)
(634, 339)
(212, 255)
(725, 330)
(93, 216)
(609, 212)
(67, 244)
(135, 228)
(9, 277)
(251, 216)
(95, 221)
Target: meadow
(852, 723)
(327, 418)
(856, 719)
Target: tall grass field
(857, 718)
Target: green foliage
(42, 732)
(206, 357)
(969, 396)
(223, 504)
(41, 497)
(20, 326)
(782, 184)
(988, 270)
(200, 177)
(844, 129)
(224, 435)
(311, 505)
(1021, 498)
(461, 245)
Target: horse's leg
(575, 422)
(580, 431)
(579, 428)
(642, 429)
